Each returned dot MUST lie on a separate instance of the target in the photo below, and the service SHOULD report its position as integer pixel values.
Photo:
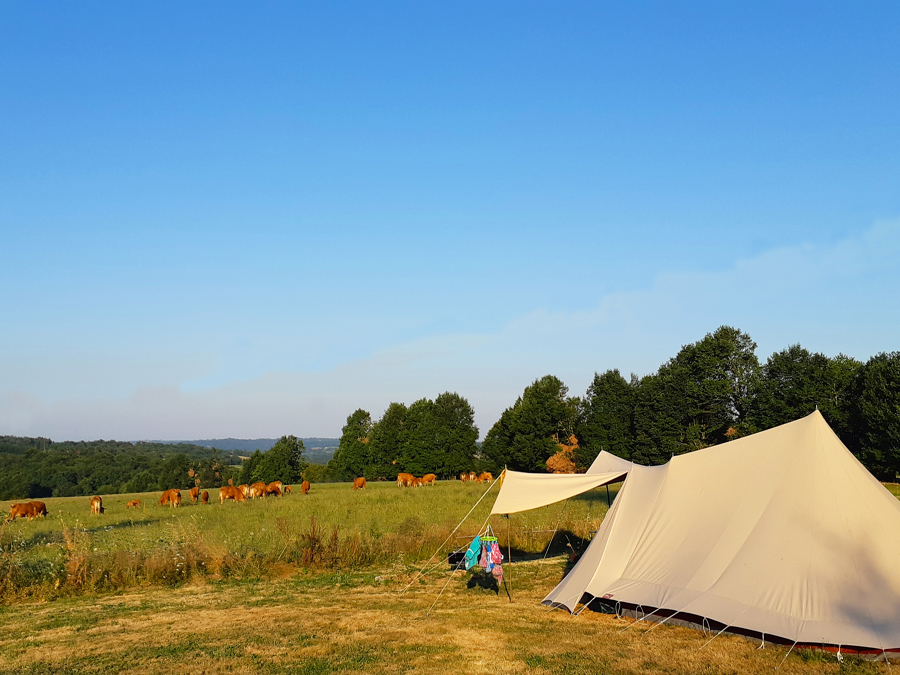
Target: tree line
(39, 467)
(710, 392)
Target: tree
(384, 448)
(283, 461)
(351, 459)
(876, 414)
(794, 382)
(455, 435)
(696, 398)
(605, 418)
(527, 434)
(249, 468)
(174, 473)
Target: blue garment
(472, 553)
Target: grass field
(247, 588)
(334, 527)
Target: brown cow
(464, 477)
(287, 490)
(473, 476)
(28, 510)
(405, 479)
(134, 503)
(485, 477)
(244, 489)
(230, 492)
(171, 497)
(257, 490)
(428, 479)
(416, 482)
(304, 487)
(194, 494)
(96, 506)
(205, 497)
(359, 483)
(274, 488)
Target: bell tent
(782, 534)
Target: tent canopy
(524, 491)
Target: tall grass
(333, 528)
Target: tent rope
(555, 529)
(785, 656)
(419, 573)
(454, 570)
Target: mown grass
(349, 622)
(332, 528)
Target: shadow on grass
(120, 525)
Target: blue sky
(249, 220)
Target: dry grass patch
(324, 623)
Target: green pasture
(331, 527)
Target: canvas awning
(523, 491)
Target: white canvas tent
(782, 534)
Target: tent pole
(608, 502)
(506, 580)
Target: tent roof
(783, 532)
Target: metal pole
(506, 580)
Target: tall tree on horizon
(605, 418)
(351, 459)
(527, 433)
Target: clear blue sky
(249, 220)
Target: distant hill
(318, 450)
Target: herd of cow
(171, 498)
(241, 493)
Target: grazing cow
(473, 477)
(258, 490)
(133, 504)
(274, 488)
(205, 497)
(96, 506)
(359, 483)
(28, 510)
(244, 489)
(405, 479)
(171, 497)
(304, 487)
(194, 494)
(230, 492)
(485, 477)
(417, 482)
(37, 509)
(464, 477)
(287, 490)
(428, 479)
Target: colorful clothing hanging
(472, 553)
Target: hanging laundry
(485, 561)
(498, 573)
(496, 555)
(472, 553)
